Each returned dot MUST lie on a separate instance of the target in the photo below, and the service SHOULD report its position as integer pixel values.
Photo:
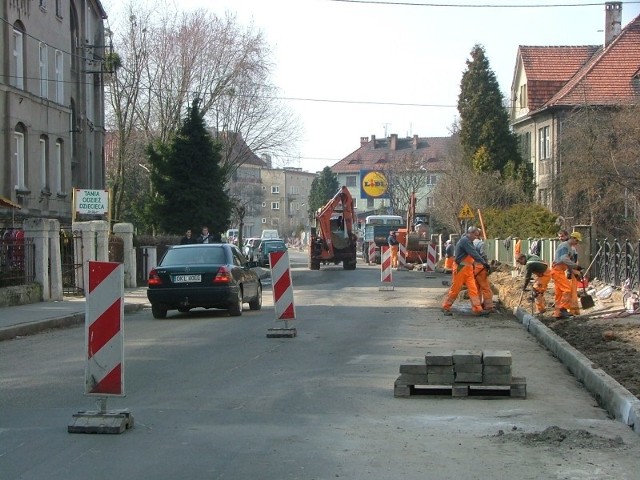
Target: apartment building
(51, 105)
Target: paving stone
(497, 357)
(440, 369)
(467, 356)
(418, 369)
(439, 358)
(468, 378)
(468, 368)
(411, 379)
(497, 369)
(440, 379)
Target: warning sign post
(104, 336)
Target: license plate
(186, 278)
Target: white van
(232, 235)
(269, 234)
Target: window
(294, 190)
(264, 220)
(19, 160)
(59, 8)
(43, 4)
(59, 77)
(351, 181)
(522, 98)
(370, 203)
(431, 179)
(44, 165)
(58, 167)
(275, 189)
(264, 204)
(44, 71)
(544, 143)
(430, 202)
(275, 205)
(18, 59)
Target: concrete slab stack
(461, 373)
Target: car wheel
(158, 312)
(256, 303)
(235, 309)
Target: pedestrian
(449, 252)
(393, 243)
(205, 236)
(563, 269)
(535, 267)
(465, 255)
(187, 239)
(517, 249)
(481, 275)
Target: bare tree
(406, 175)
(599, 179)
(169, 58)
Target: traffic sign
(465, 213)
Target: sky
(352, 69)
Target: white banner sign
(93, 202)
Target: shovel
(586, 300)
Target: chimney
(364, 141)
(613, 21)
(414, 143)
(393, 143)
(373, 142)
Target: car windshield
(194, 256)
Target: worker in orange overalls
(563, 269)
(393, 243)
(535, 267)
(574, 306)
(465, 256)
(481, 275)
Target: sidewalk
(35, 317)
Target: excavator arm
(342, 198)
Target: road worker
(392, 240)
(535, 267)
(482, 277)
(449, 252)
(574, 307)
(563, 269)
(465, 256)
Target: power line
(471, 5)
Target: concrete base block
(101, 422)
(282, 333)
(385, 288)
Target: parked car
(268, 246)
(269, 234)
(214, 275)
(250, 248)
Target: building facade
(421, 157)
(550, 82)
(51, 104)
(284, 206)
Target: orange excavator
(333, 240)
(415, 236)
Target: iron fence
(616, 261)
(17, 258)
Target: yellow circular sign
(374, 184)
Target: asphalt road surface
(214, 398)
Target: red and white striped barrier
(372, 252)
(431, 258)
(385, 266)
(104, 307)
(402, 255)
(282, 286)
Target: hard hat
(576, 235)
